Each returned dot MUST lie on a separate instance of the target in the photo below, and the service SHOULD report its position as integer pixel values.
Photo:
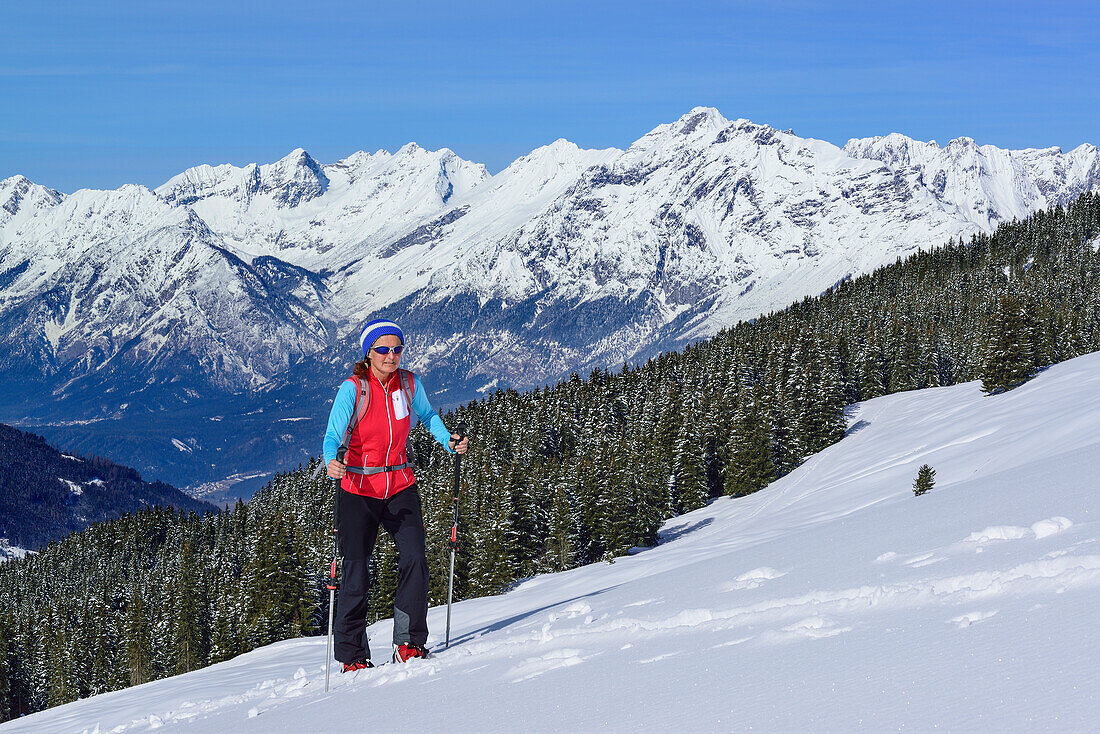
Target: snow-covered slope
(19, 197)
(833, 600)
(462, 250)
(301, 211)
(985, 184)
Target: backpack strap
(362, 402)
(408, 386)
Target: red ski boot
(357, 665)
(405, 653)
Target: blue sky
(96, 94)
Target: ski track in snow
(969, 608)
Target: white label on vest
(400, 407)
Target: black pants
(402, 517)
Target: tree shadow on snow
(501, 624)
(856, 428)
(679, 531)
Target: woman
(372, 414)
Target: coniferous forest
(561, 476)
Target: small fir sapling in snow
(926, 479)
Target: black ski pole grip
(460, 431)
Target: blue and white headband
(377, 329)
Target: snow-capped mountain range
(244, 286)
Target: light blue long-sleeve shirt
(343, 408)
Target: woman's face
(385, 364)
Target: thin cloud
(84, 71)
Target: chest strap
(368, 470)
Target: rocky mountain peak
(201, 181)
(962, 142)
(19, 194)
(700, 119)
(895, 149)
(292, 180)
(699, 123)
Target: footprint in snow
(575, 609)
(996, 533)
(534, 667)
(1039, 530)
(924, 559)
(812, 628)
(816, 628)
(1051, 526)
(970, 618)
(754, 578)
(917, 561)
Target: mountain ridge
(228, 282)
(46, 494)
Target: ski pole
(461, 433)
(332, 583)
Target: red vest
(379, 440)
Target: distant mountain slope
(322, 215)
(984, 183)
(45, 495)
(832, 600)
(233, 290)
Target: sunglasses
(386, 350)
